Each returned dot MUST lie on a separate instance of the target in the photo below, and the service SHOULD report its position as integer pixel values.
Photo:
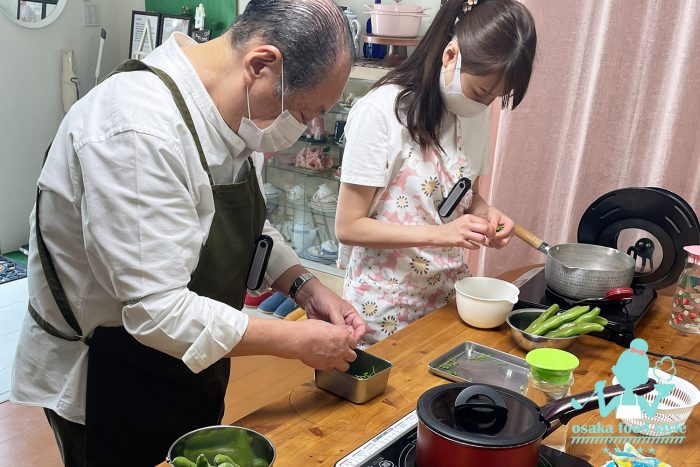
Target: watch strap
(298, 283)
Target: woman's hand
(503, 227)
(467, 231)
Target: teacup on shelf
(295, 193)
(325, 194)
(329, 247)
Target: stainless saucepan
(579, 270)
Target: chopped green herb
(367, 374)
(449, 364)
(479, 357)
(500, 227)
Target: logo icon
(632, 370)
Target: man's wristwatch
(298, 283)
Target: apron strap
(138, 65)
(46, 326)
(57, 290)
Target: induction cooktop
(396, 447)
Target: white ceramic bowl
(484, 302)
(397, 8)
(396, 24)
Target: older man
(150, 206)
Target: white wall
(31, 107)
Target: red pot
(464, 424)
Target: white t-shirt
(376, 141)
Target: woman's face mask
(455, 100)
(281, 134)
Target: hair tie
(468, 5)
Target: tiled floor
(13, 309)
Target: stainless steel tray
(476, 363)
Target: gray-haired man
(150, 205)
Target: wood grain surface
(309, 426)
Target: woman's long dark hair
(494, 37)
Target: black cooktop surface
(622, 317)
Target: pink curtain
(614, 102)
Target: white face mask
(281, 134)
(455, 100)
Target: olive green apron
(139, 400)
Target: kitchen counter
(309, 426)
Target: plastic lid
(552, 366)
(693, 250)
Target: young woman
(408, 145)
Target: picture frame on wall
(145, 30)
(30, 11)
(173, 23)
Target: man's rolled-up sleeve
(180, 323)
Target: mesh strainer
(673, 409)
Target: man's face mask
(281, 134)
(455, 100)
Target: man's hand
(321, 303)
(324, 346)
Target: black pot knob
(480, 410)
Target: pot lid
(481, 415)
(651, 224)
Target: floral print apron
(391, 288)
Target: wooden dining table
(309, 426)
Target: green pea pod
(563, 327)
(600, 320)
(543, 317)
(556, 321)
(588, 317)
(202, 461)
(577, 329)
(260, 462)
(228, 464)
(183, 462)
(222, 459)
(242, 456)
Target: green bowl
(240, 444)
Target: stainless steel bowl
(222, 439)
(520, 319)
(351, 385)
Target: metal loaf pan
(351, 385)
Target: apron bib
(140, 400)
(393, 288)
